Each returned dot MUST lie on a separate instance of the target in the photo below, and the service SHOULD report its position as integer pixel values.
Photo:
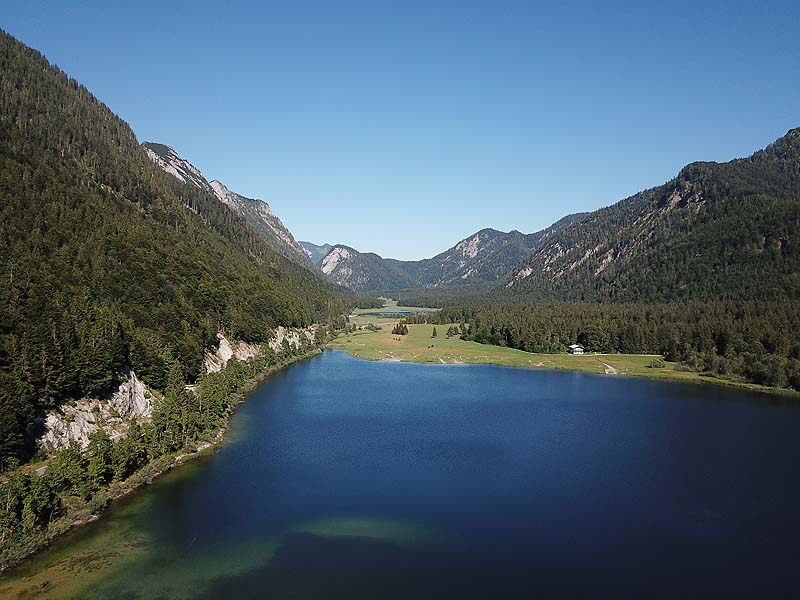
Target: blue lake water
(346, 478)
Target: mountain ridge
(716, 230)
(256, 212)
(316, 252)
(742, 217)
(474, 262)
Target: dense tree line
(78, 482)
(106, 261)
(752, 341)
(367, 302)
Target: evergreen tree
(99, 468)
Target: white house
(575, 349)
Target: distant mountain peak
(478, 260)
(315, 252)
(338, 254)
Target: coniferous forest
(747, 341)
(106, 261)
(78, 483)
(367, 301)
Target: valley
(606, 406)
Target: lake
(344, 478)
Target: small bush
(657, 363)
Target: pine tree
(99, 469)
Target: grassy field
(419, 346)
(382, 316)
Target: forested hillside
(257, 213)
(717, 231)
(107, 261)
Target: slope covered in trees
(106, 260)
(717, 231)
(257, 213)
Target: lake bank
(87, 511)
(419, 346)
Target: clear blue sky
(452, 116)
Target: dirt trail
(609, 369)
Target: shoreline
(147, 474)
(669, 375)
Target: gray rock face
(74, 423)
(226, 349)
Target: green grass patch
(386, 315)
(419, 346)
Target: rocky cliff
(226, 349)
(75, 422)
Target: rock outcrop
(216, 361)
(226, 349)
(75, 422)
(257, 213)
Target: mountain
(108, 263)
(475, 262)
(482, 258)
(256, 212)
(721, 231)
(716, 231)
(260, 217)
(364, 271)
(315, 252)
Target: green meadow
(419, 346)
